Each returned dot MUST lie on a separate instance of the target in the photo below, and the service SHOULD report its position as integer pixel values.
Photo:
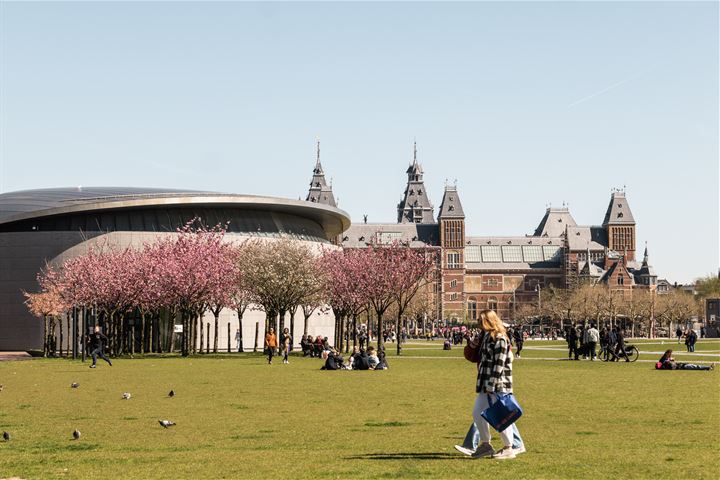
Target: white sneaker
(464, 450)
(519, 450)
(504, 453)
(483, 450)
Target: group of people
(690, 337)
(583, 342)
(360, 359)
(272, 344)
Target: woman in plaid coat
(494, 362)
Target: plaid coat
(494, 366)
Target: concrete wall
(24, 254)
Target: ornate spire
(415, 206)
(320, 191)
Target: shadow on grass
(406, 456)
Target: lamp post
(537, 289)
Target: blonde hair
(490, 322)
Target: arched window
(472, 308)
(492, 304)
(621, 280)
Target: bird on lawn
(166, 423)
(171, 394)
(6, 436)
(74, 385)
(76, 434)
(126, 396)
(1, 387)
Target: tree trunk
(257, 332)
(216, 314)
(292, 327)
(281, 324)
(45, 336)
(354, 330)
(207, 347)
(379, 330)
(142, 333)
(60, 323)
(228, 338)
(307, 319)
(397, 334)
(240, 326)
(202, 328)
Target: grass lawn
(240, 418)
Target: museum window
(453, 283)
(472, 309)
(492, 304)
(453, 260)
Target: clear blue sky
(522, 103)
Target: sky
(523, 104)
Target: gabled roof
(589, 269)
(450, 207)
(417, 235)
(618, 211)
(554, 222)
(620, 264)
(582, 238)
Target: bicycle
(607, 354)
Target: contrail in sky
(604, 90)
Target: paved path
(10, 356)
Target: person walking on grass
(286, 342)
(679, 333)
(593, 338)
(97, 342)
(270, 344)
(518, 337)
(492, 353)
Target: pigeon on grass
(74, 385)
(6, 436)
(76, 434)
(126, 396)
(171, 394)
(166, 423)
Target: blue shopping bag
(503, 413)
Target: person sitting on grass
(373, 359)
(383, 365)
(306, 345)
(667, 362)
(360, 362)
(333, 361)
(318, 346)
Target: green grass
(240, 418)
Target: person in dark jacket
(620, 345)
(97, 343)
(572, 338)
(518, 337)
